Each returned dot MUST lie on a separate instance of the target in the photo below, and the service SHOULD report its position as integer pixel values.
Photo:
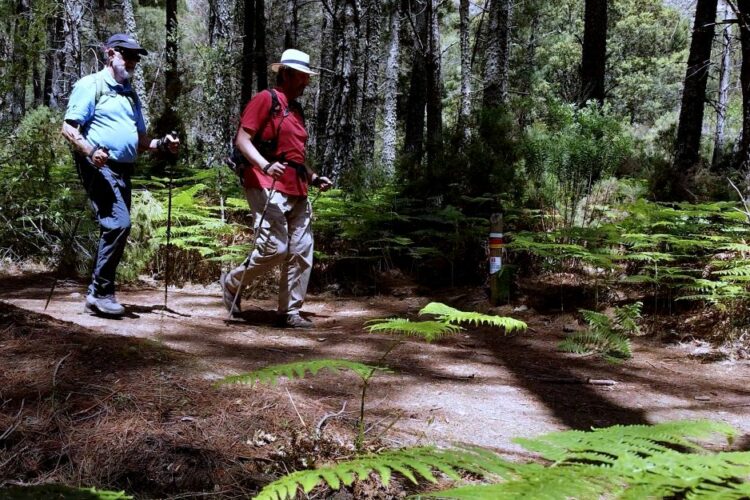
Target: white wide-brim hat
(295, 59)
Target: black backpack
(267, 148)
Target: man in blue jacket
(105, 126)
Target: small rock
(521, 308)
(75, 295)
(702, 398)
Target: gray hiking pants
(285, 239)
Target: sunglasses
(129, 55)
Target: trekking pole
(259, 226)
(72, 236)
(169, 231)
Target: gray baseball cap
(126, 42)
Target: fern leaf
(622, 441)
(427, 330)
(450, 315)
(412, 463)
(299, 369)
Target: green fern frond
(450, 315)
(299, 369)
(44, 491)
(428, 330)
(537, 482)
(411, 463)
(623, 441)
(742, 270)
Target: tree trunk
(248, 52)
(594, 55)
(721, 108)
(464, 108)
(415, 105)
(261, 59)
(390, 97)
(139, 83)
(498, 54)
(323, 98)
(72, 71)
(743, 155)
(54, 63)
(17, 70)
(291, 25)
(687, 147)
(368, 114)
(342, 141)
(169, 119)
(434, 90)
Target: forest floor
(129, 403)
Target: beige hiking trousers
(285, 239)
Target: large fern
(628, 462)
(448, 314)
(412, 463)
(427, 330)
(299, 369)
(606, 336)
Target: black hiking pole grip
(271, 192)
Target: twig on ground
(295, 407)
(57, 367)
(14, 425)
(326, 417)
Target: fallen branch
(326, 417)
(575, 380)
(14, 425)
(57, 367)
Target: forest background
(569, 117)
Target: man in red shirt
(277, 180)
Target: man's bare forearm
(74, 137)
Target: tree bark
(261, 59)
(54, 63)
(17, 72)
(341, 140)
(498, 54)
(721, 108)
(743, 155)
(169, 119)
(371, 72)
(464, 108)
(390, 97)
(434, 90)
(291, 25)
(417, 100)
(594, 54)
(687, 147)
(248, 52)
(139, 83)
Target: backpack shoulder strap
(99, 88)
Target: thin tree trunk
(743, 155)
(169, 119)
(464, 108)
(724, 75)
(248, 52)
(417, 101)
(372, 51)
(593, 58)
(687, 148)
(330, 32)
(54, 63)
(17, 71)
(291, 25)
(434, 91)
(138, 82)
(73, 11)
(341, 144)
(261, 59)
(498, 54)
(390, 97)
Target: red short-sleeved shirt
(290, 146)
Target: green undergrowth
(683, 252)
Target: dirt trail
(478, 387)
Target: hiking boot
(297, 321)
(228, 295)
(106, 306)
